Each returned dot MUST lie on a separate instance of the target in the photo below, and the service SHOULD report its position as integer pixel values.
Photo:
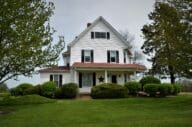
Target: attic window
(100, 35)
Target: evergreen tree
(167, 42)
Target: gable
(100, 25)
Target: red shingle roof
(109, 65)
(55, 69)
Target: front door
(87, 79)
(114, 79)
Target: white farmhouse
(99, 54)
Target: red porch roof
(109, 65)
(55, 69)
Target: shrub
(3, 88)
(58, 93)
(69, 90)
(133, 87)
(21, 89)
(6, 94)
(149, 80)
(151, 89)
(108, 90)
(26, 99)
(48, 89)
(35, 90)
(165, 89)
(176, 89)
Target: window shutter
(108, 56)
(80, 80)
(117, 55)
(60, 80)
(108, 35)
(124, 57)
(51, 78)
(82, 56)
(92, 56)
(92, 35)
(94, 78)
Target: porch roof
(110, 65)
(55, 69)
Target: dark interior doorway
(114, 79)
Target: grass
(130, 112)
(25, 100)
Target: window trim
(58, 81)
(84, 57)
(109, 56)
(98, 35)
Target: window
(57, 79)
(113, 56)
(100, 34)
(87, 56)
(103, 35)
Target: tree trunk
(172, 74)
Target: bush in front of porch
(68, 90)
(108, 90)
(133, 87)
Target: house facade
(99, 54)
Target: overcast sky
(71, 16)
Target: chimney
(88, 24)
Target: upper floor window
(87, 56)
(100, 35)
(113, 56)
(103, 35)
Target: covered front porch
(88, 75)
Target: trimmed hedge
(151, 89)
(176, 89)
(108, 90)
(149, 80)
(35, 90)
(165, 89)
(162, 90)
(133, 87)
(21, 89)
(58, 93)
(48, 89)
(69, 90)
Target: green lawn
(130, 112)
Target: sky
(71, 17)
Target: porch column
(135, 75)
(106, 78)
(75, 76)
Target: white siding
(45, 77)
(100, 46)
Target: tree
(3, 88)
(184, 9)
(25, 37)
(130, 39)
(166, 40)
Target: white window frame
(113, 52)
(87, 55)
